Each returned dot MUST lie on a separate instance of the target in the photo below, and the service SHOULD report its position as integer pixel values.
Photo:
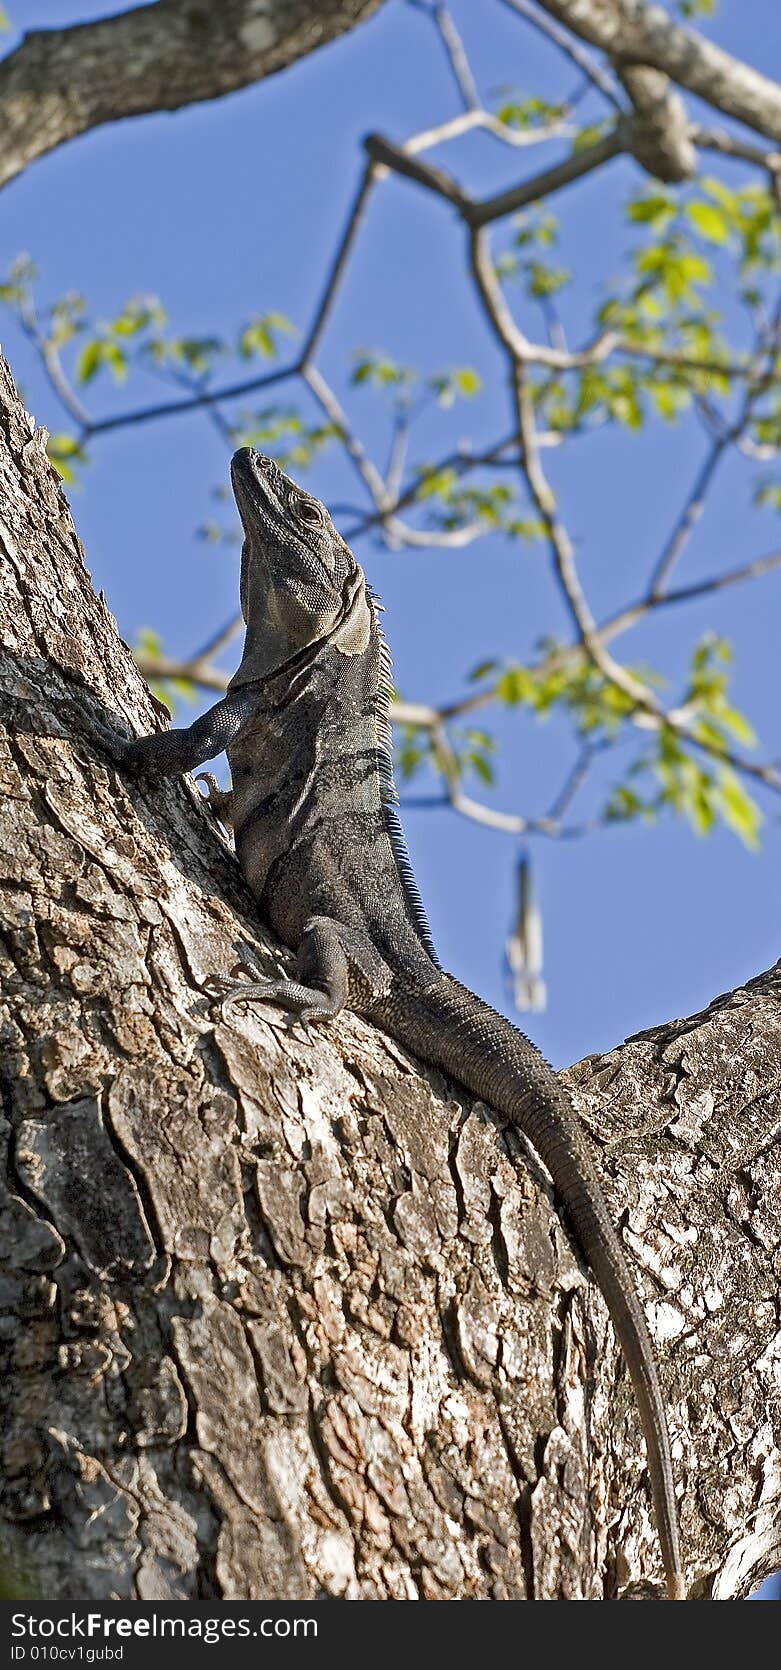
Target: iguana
(305, 723)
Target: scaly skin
(318, 839)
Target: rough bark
(284, 1315)
(62, 82)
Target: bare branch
(400, 160)
(660, 139)
(468, 120)
(549, 181)
(204, 398)
(729, 145)
(219, 640)
(630, 616)
(155, 665)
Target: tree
(412, 1381)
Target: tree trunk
(285, 1315)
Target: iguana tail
(454, 1030)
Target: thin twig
(578, 54)
(686, 522)
(52, 362)
(767, 351)
(573, 782)
(336, 273)
(207, 397)
(457, 58)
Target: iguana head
(301, 586)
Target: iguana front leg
(170, 753)
(335, 966)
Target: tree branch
(632, 32)
(62, 82)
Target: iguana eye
(308, 513)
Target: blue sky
(232, 209)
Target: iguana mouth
(257, 484)
(268, 499)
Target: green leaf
(437, 484)
(589, 136)
(98, 352)
(482, 670)
(259, 336)
(149, 643)
(624, 806)
(738, 725)
(656, 210)
(542, 280)
(380, 372)
(527, 113)
(448, 384)
(516, 685)
(138, 314)
(675, 269)
(280, 431)
(89, 361)
(197, 353)
(740, 813)
(709, 221)
(22, 274)
(66, 318)
(768, 494)
(116, 360)
(669, 398)
(536, 226)
(479, 765)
